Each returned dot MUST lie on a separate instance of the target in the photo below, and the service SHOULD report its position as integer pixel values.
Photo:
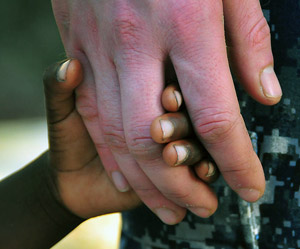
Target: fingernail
(202, 212)
(166, 215)
(62, 71)
(120, 181)
(167, 128)
(249, 194)
(178, 98)
(270, 83)
(211, 169)
(182, 153)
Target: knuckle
(194, 10)
(101, 145)
(131, 33)
(86, 107)
(144, 149)
(178, 194)
(114, 136)
(142, 146)
(127, 28)
(258, 32)
(185, 16)
(239, 168)
(213, 125)
(187, 24)
(86, 103)
(58, 138)
(145, 192)
(259, 36)
(56, 133)
(181, 24)
(55, 114)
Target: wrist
(30, 212)
(46, 187)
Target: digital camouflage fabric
(274, 221)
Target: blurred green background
(29, 42)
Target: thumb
(60, 80)
(249, 49)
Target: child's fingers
(183, 152)
(173, 126)
(191, 153)
(60, 80)
(172, 98)
(170, 127)
(207, 171)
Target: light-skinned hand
(82, 183)
(124, 46)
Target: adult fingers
(204, 76)
(105, 130)
(141, 84)
(86, 94)
(110, 120)
(169, 127)
(249, 46)
(87, 107)
(72, 152)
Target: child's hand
(82, 184)
(182, 145)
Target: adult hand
(81, 182)
(80, 179)
(123, 46)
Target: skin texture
(81, 181)
(204, 168)
(124, 46)
(180, 123)
(207, 171)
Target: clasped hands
(124, 47)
